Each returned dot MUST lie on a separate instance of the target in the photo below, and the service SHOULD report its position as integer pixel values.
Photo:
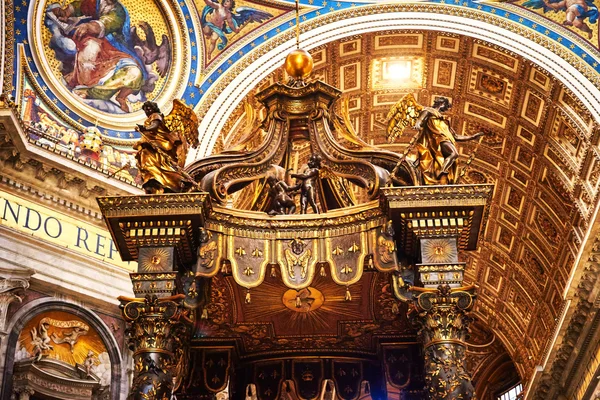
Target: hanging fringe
(322, 271)
(248, 299)
(348, 295)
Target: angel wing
(184, 121)
(244, 15)
(344, 126)
(403, 114)
(537, 4)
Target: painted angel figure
(162, 150)
(435, 141)
(221, 17)
(576, 12)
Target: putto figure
(435, 141)
(220, 18)
(576, 12)
(308, 185)
(162, 150)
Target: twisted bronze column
(157, 334)
(441, 317)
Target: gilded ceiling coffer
(434, 224)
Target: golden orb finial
(299, 64)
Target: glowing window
(512, 393)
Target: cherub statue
(308, 185)
(281, 201)
(71, 338)
(435, 141)
(162, 150)
(41, 344)
(89, 363)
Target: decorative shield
(307, 376)
(346, 256)
(215, 364)
(249, 258)
(398, 361)
(384, 245)
(210, 254)
(347, 376)
(297, 259)
(268, 379)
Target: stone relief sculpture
(164, 145)
(435, 141)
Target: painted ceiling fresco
(86, 66)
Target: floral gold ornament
(155, 260)
(157, 333)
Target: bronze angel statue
(162, 150)
(435, 141)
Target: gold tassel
(204, 313)
(273, 272)
(395, 308)
(248, 300)
(322, 272)
(298, 301)
(348, 295)
(370, 263)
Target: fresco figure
(104, 61)
(576, 12)
(219, 19)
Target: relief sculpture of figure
(162, 150)
(435, 141)
(309, 184)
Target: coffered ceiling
(540, 151)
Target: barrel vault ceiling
(540, 150)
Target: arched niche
(50, 322)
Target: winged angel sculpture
(162, 150)
(221, 18)
(435, 141)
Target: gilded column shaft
(441, 316)
(157, 335)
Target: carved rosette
(157, 333)
(442, 320)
